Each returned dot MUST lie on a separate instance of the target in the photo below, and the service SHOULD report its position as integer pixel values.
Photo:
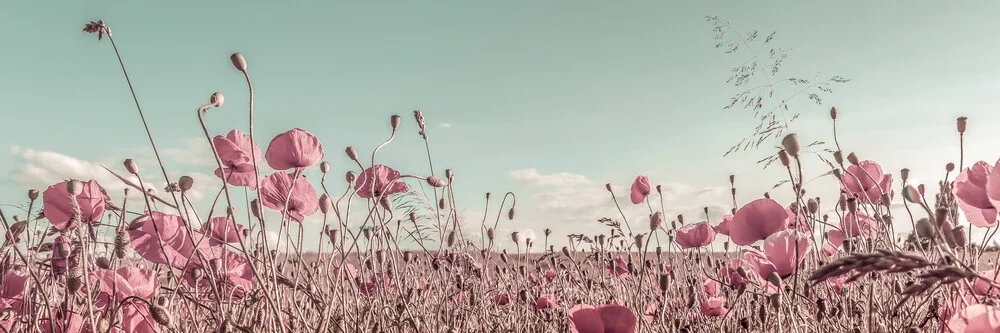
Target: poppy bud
(32, 194)
(853, 159)
(436, 181)
(833, 113)
(491, 234)
(812, 205)
(838, 157)
(217, 99)
(394, 122)
(448, 174)
(441, 203)
(638, 242)
(792, 145)
(958, 234)
(516, 237)
(680, 218)
(547, 232)
(325, 204)
(385, 203)
(949, 167)
(783, 156)
(911, 194)
(510, 213)
(941, 216)
(130, 166)
(565, 251)
(664, 282)
(324, 167)
(904, 174)
(255, 208)
(608, 187)
(185, 183)
(961, 124)
(774, 279)
(239, 62)
(351, 153)
(74, 187)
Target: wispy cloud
(445, 125)
(531, 177)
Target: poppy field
(805, 265)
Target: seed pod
(638, 242)
(160, 315)
(394, 121)
(833, 113)
(664, 282)
(961, 123)
(122, 241)
(783, 157)
(350, 176)
(407, 256)
(74, 279)
(185, 183)
(74, 187)
(103, 262)
(655, 221)
(32, 194)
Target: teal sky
(606, 90)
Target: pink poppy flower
(797, 222)
(714, 307)
(619, 267)
(971, 191)
(640, 189)
(114, 286)
(222, 230)
(148, 231)
(379, 181)
(231, 271)
(57, 205)
(546, 302)
(11, 295)
(274, 189)
(992, 187)
(828, 249)
(976, 318)
(729, 273)
(982, 287)
(551, 274)
(237, 153)
(836, 238)
(652, 312)
(865, 181)
(294, 149)
(858, 225)
(723, 227)
(710, 287)
(501, 299)
(781, 250)
(756, 221)
(839, 283)
(62, 322)
(347, 273)
(759, 262)
(695, 235)
(608, 318)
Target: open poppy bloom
(232, 273)
(640, 189)
(858, 225)
(546, 302)
(618, 267)
(867, 182)
(115, 287)
(238, 156)
(294, 149)
(379, 181)
(222, 230)
(608, 318)
(976, 318)
(757, 220)
(723, 227)
(152, 230)
(695, 235)
(786, 250)
(57, 205)
(714, 307)
(973, 198)
(303, 201)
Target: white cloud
(41, 169)
(532, 177)
(196, 152)
(445, 125)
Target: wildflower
(294, 149)
(756, 221)
(695, 235)
(608, 318)
(866, 180)
(379, 181)
(971, 192)
(238, 156)
(640, 189)
(274, 193)
(58, 204)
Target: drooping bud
(565, 251)
(351, 153)
(385, 203)
(792, 145)
(103, 262)
(217, 99)
(239, 62)
(638, 242)
(436, 181)
(394, 122)
(185, 183)
(441, 203)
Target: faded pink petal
(710, 287)
(379, 181)
(551, 274)
(640, 189)
(836, 238)
(608, 318)
(148, 231)
(714, 307)
(756, 221)
(787, 250)
(235, 151)
(294, 149)
(546, 302)
(723, 227)
(759, 263)
(274, 190)
(237, 178)
(222, 230)
(618, 267)
(867, 182)
(976, 318)
(57, 205)
(972, 191)
(983, 288)
(501, 299)
(858, 225)
(695, 235)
